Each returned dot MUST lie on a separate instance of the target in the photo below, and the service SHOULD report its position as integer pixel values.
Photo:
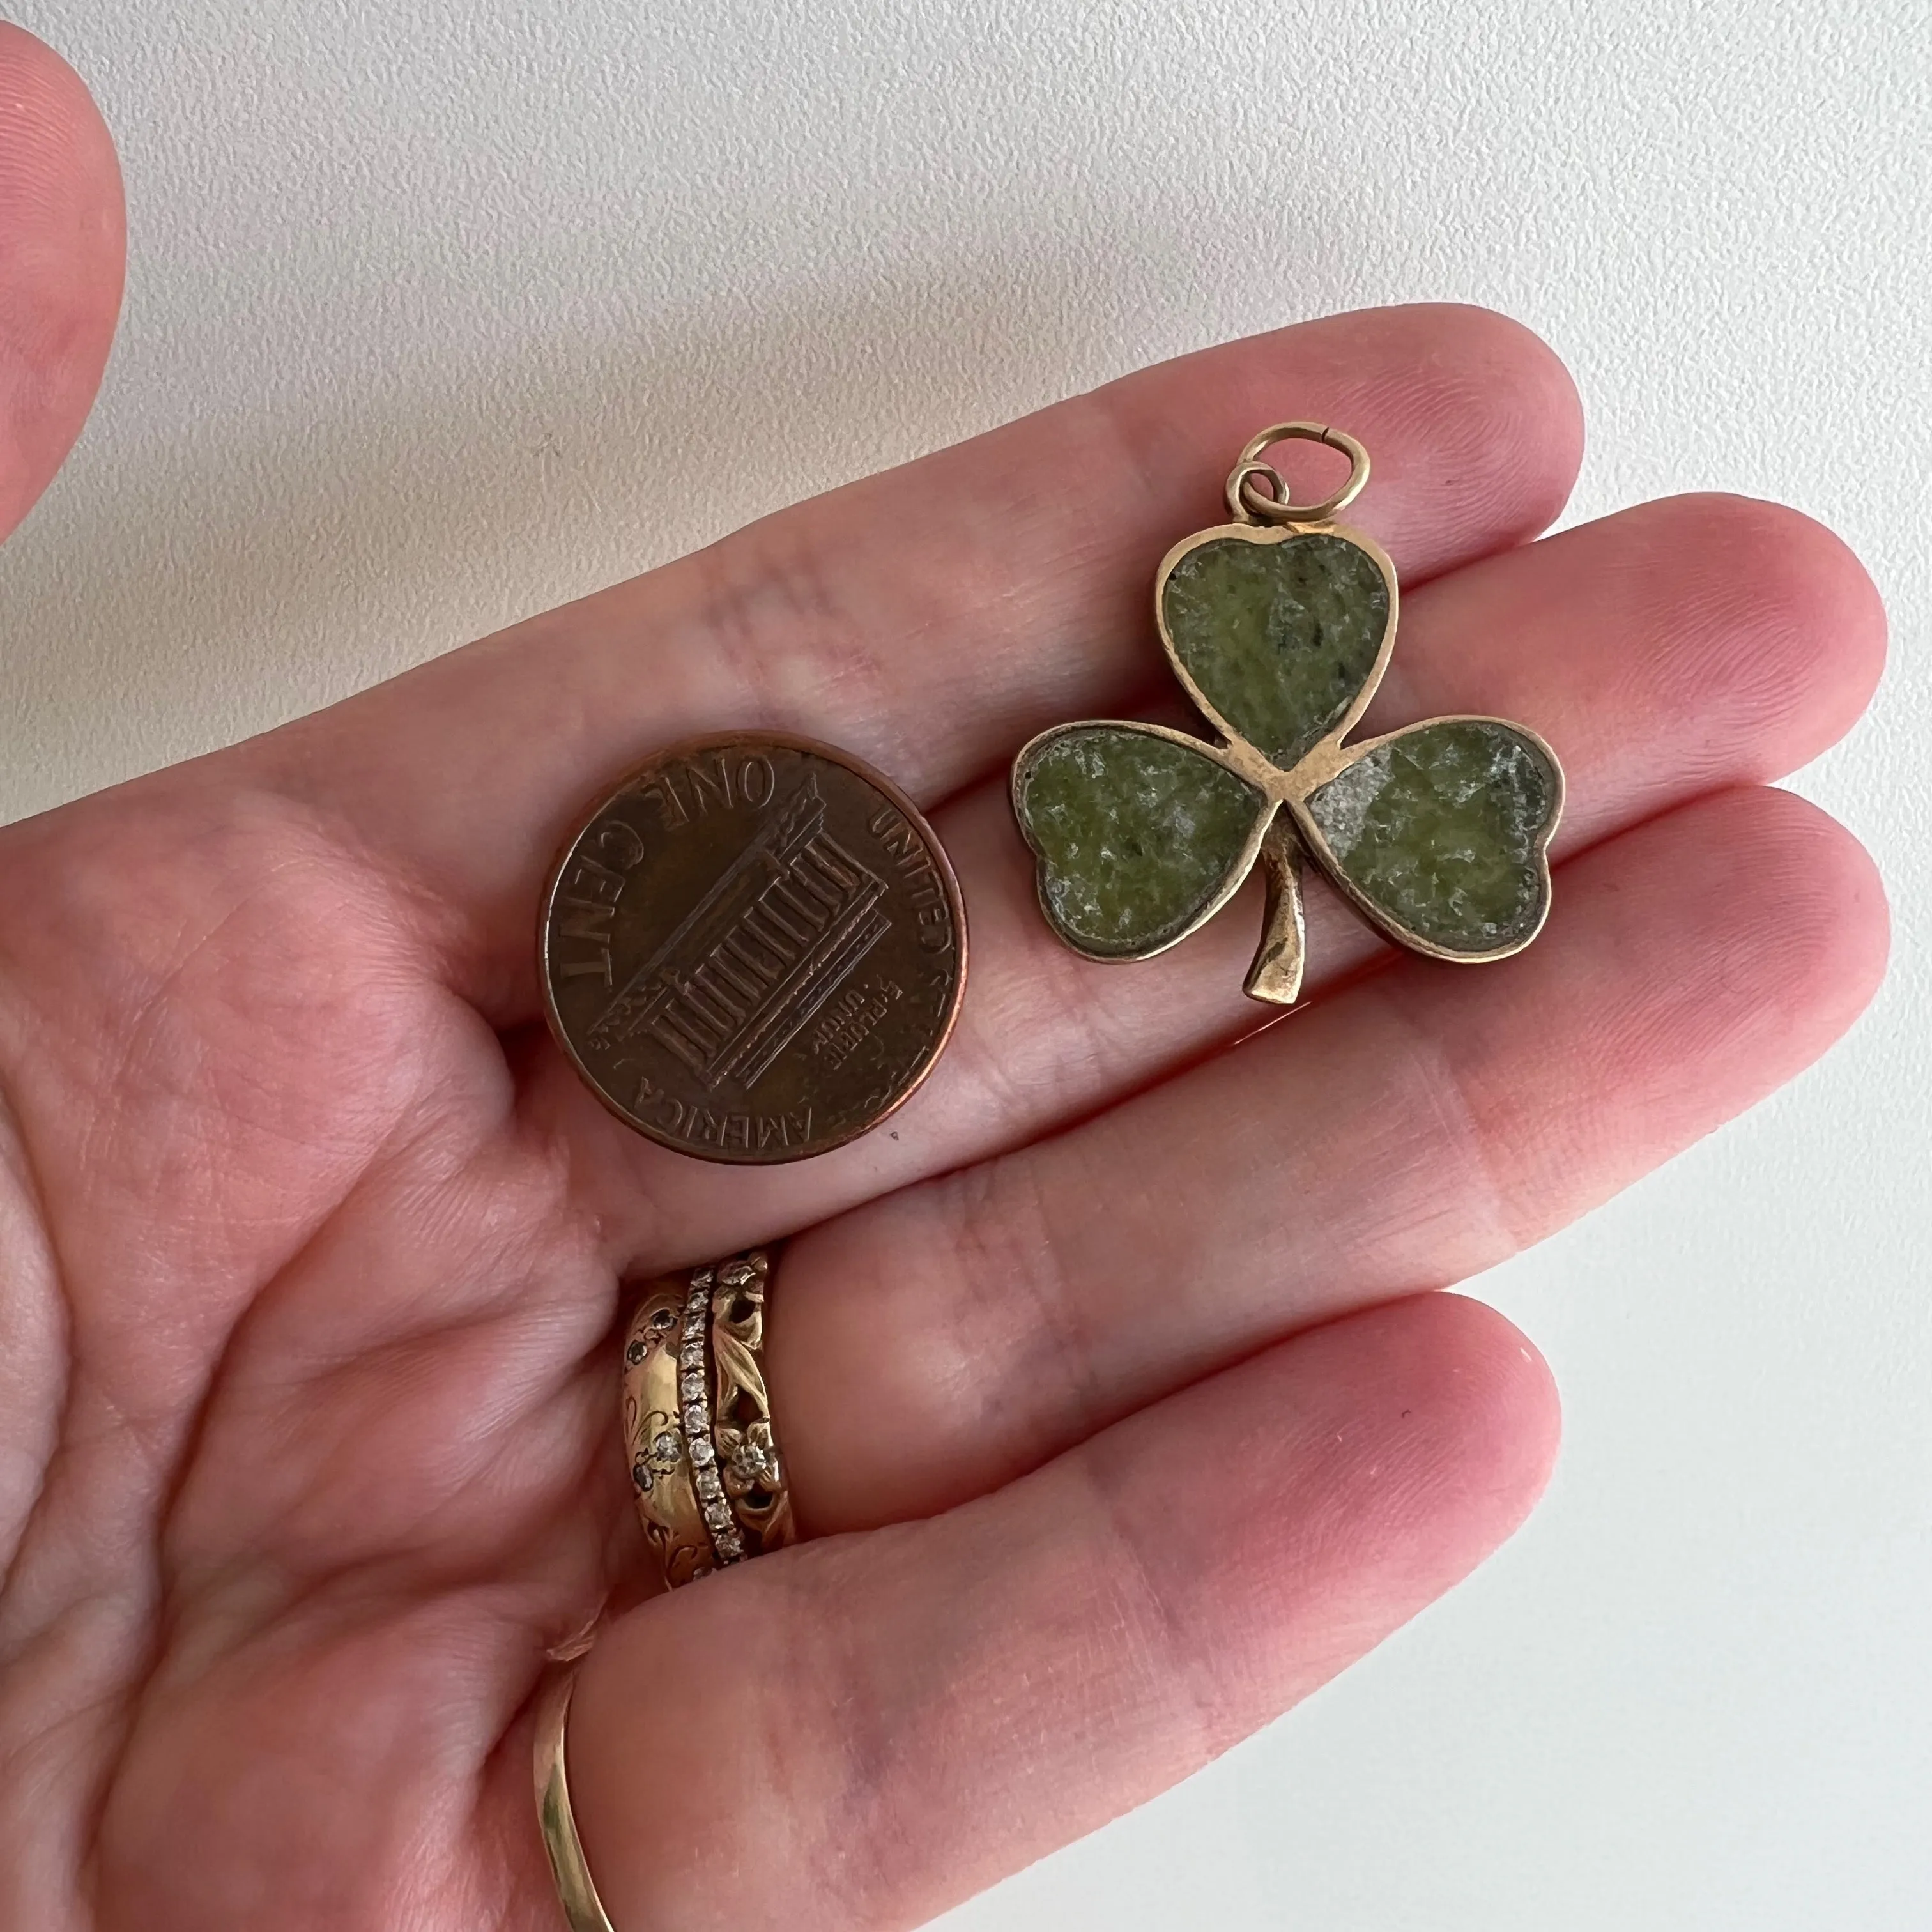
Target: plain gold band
(582, 1907)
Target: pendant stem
(1275, 975)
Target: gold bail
(1251, 506)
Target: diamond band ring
(709, 1486)
(705, 1467)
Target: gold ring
(711, 1490)
(661, 1469)
(582, 1908)
(705, 1467)
(751, 1472)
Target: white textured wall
(443, 310)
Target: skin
(1119, 1412)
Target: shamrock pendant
(1279, 625)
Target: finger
(928, 619)
(1669, 649)
(1424, 1125)
(1676, 649)
(62, 242)
(860, 1733)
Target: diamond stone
(709, 1487)
(663, 1446)
(693, 1355)
(717, 1516)
(691, 1387)
(694, 1419)
(702, 1453)
(730, 1546)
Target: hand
(1115, 1413)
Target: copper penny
(754, 948)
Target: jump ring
(1249, 504)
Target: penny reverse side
(754, 948)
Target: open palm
(1116, 1418)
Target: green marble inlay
(1439, 828)
(1279, 637)
(1136, 835)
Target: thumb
(63, 233)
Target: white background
(441, 311)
